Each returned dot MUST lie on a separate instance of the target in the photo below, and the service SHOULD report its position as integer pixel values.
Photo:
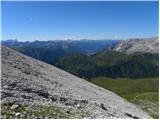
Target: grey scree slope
(44, 84)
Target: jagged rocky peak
(28, 85)
(150, 45)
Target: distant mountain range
(81, 46)
(51, 51)
(146, 45)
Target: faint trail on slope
(138, 96)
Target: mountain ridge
(150, 45)
(80, 46)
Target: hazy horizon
(78, 39)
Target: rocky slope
(150, 45)
(33, 89)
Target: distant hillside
(33, 89)
(150, 45)
(111, 64)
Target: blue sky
(78, 20)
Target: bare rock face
(150, 45)
(26, 81)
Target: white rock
(78, 105)
(14, 107)
(17, 114)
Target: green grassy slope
(111, 64)
(79, 65)
(142, 92)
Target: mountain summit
(27, 82)
(150, 45)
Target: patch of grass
(142, 92)
(148, 102)
(39, 111)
